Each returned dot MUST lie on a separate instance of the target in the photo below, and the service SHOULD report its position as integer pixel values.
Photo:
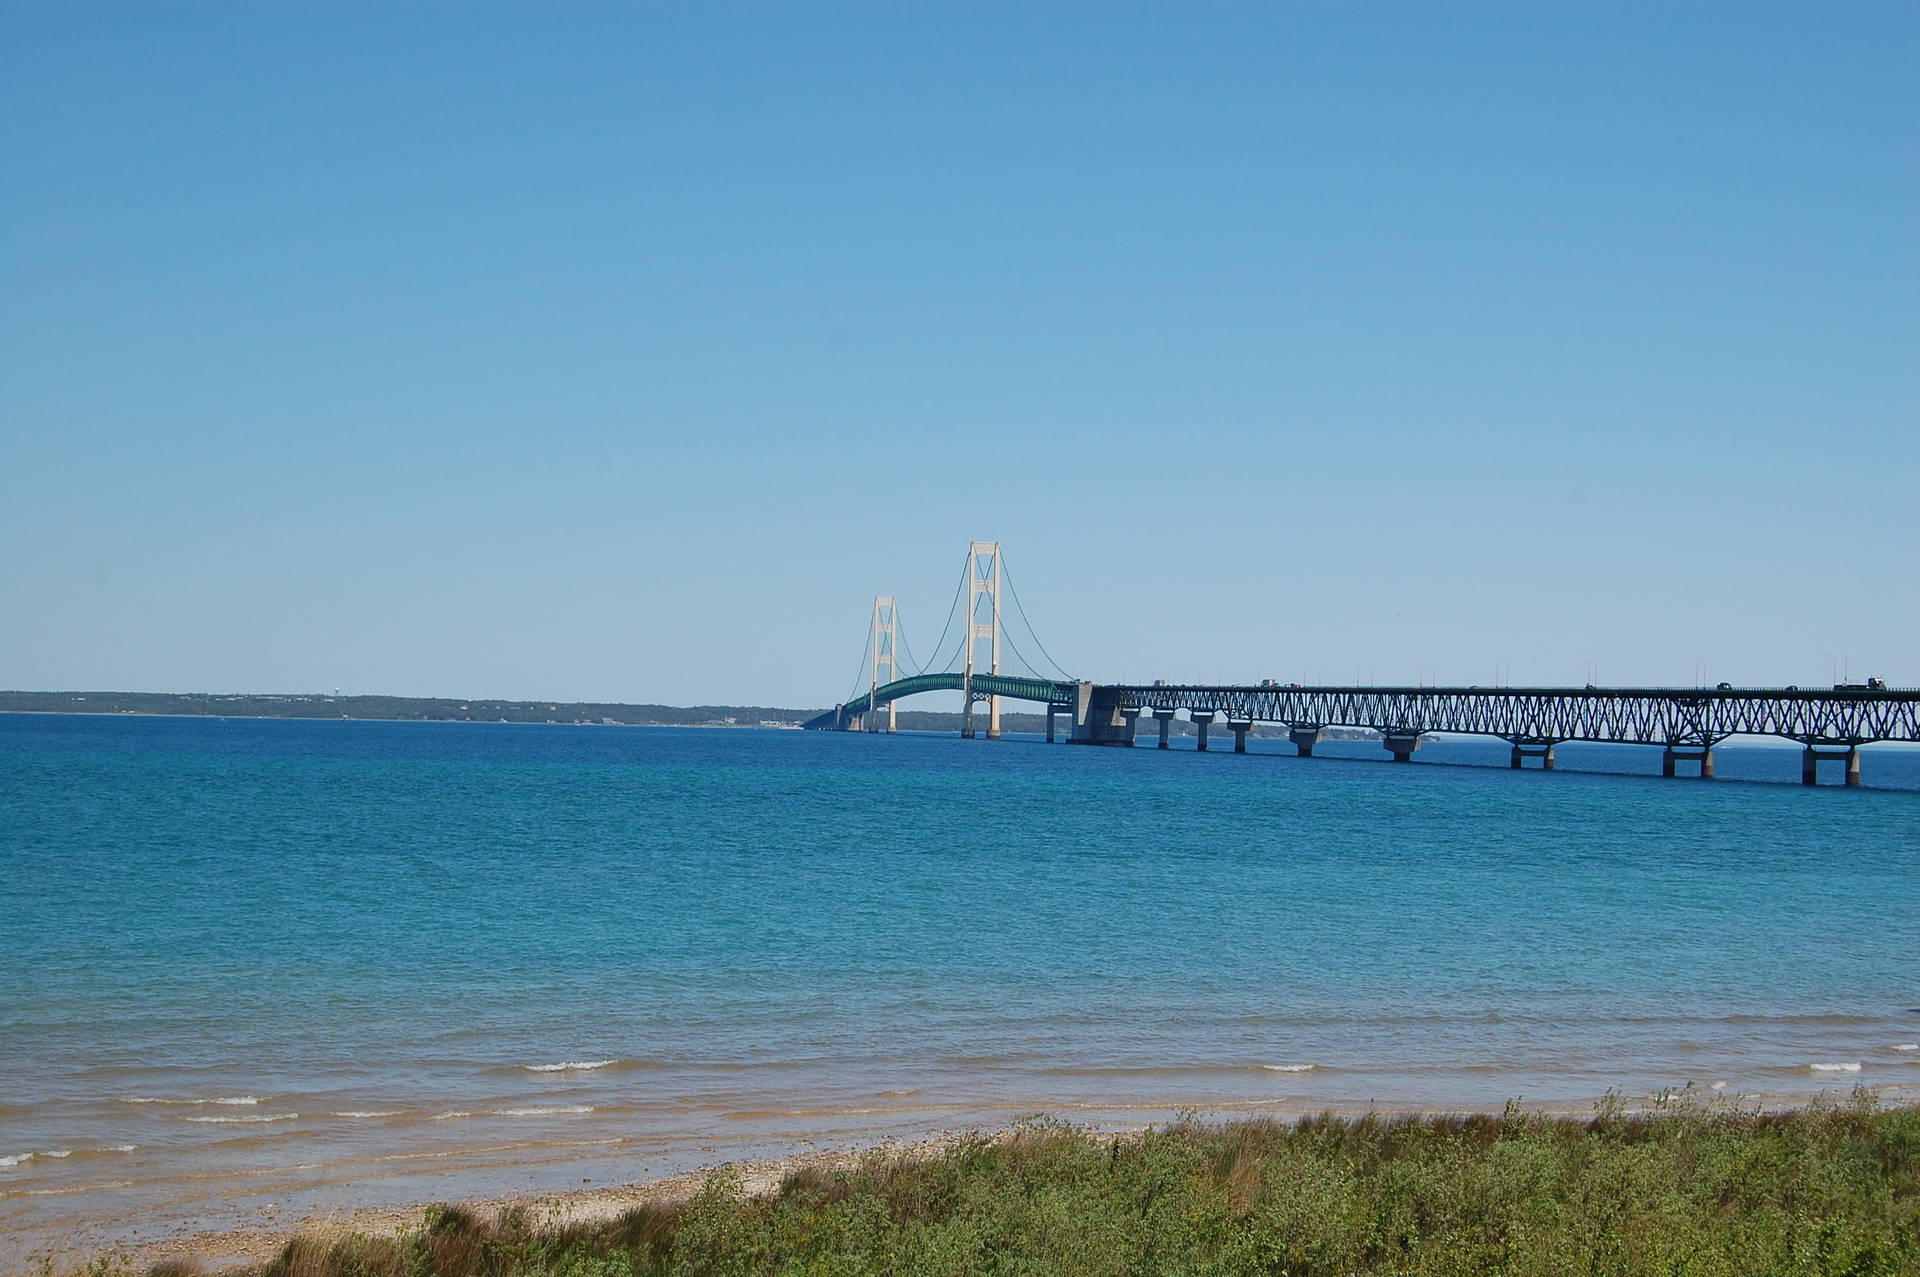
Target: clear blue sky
(624, 353)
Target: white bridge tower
(983, 582)
(886, 632)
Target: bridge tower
(983, 582)
(886, 631)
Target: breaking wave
(545, 1110)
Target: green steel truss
(1042, 690)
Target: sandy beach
(224, 1248)
(269, 1228)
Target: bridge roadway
(1831, 723)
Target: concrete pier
(1164, 716)
(1097, 717)
(1523, 752)
(1671, 756)
(1401, 744)
(1130, 719)
(1304, 739)
(1203, 719)
(1240, 728)
(1811, 759)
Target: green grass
(1688, 1189)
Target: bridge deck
(1670, 716)
(1547, 715)
(1019, 689)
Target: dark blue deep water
(258, 962)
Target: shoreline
(220, 1249)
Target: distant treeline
(415, 708)
(453, 710)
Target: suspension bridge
(1831, 724)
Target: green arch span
(1042, 690)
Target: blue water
(256, 962)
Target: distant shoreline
(400, 709)
(320, 707)
(355, 718)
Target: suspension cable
(952, 660)
(1023, 658)
(900, 637)
(864, 674)
(1034, 634)
(952, 609)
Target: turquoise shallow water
(276, 962)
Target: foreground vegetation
(1689, 1189)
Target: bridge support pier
(1702, 755)
(1098, 718)
(1050, 709)
(1810, 763)
(1202, 719)
(1304, 739)
(1240, 730)
(1164, 716)
(1542, 752)
(1402, 744)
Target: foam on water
(1848, 1066)
(545, 1110)
(246, 1118)
(572, 1066)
